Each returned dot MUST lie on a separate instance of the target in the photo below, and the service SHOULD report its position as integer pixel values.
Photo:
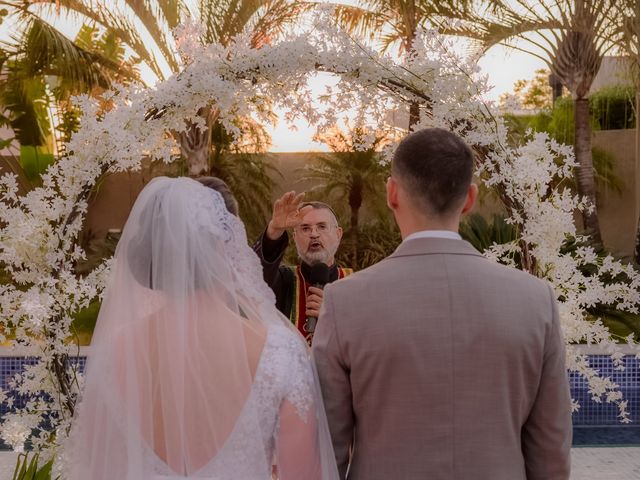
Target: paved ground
(605, 463)
(617, 463)
(7, 464)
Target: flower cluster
(39, 230)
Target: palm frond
(23, 97)
(152, 16)
(273, 18)
(361, 21)
(45, 51)
(629, 29)
(122, 26)
(173, 11)
(483, 234)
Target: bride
(193, 373)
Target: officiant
(317, 236)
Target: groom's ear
(472, 195)
(392, 193)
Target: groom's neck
(414, 222)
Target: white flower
(15, 430)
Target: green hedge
(612, 108)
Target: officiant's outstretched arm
(438, 362)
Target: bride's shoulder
(286, 354)
(292, 359)
(286, 339)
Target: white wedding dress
(193, 373)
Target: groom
(437, 362)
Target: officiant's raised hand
(286, 214)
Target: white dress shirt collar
(434, 234)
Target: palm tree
(352, 173)
(571, 37)
(222, 20)
(396, 22)
(39, 70)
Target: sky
(504, 66)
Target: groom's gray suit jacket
(439, 364)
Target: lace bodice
(284, 373)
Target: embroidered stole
(299, 291)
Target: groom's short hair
(435, 166)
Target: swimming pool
(595, 424)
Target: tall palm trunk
(576, 60)
(585, 176)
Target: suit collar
(429, 246)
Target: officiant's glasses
(321, 228)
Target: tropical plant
(396, 23)
(11, 157)
(571, 37)
(28, 468)
(377, 240)
(108, 45)
(250, 177)
(217, 21)
(612, 108)
(353, 173)
(481, 234)
(39, 70)
(621, 324)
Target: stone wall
(618, 212)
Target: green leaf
(6, 143)
(33, 468)
(35, 160)
(44, 473)
(27, 468)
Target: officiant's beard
(324, 255)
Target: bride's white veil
(177, 344)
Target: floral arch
(38, 234)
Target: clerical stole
(300, 291)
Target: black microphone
(318, 277)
